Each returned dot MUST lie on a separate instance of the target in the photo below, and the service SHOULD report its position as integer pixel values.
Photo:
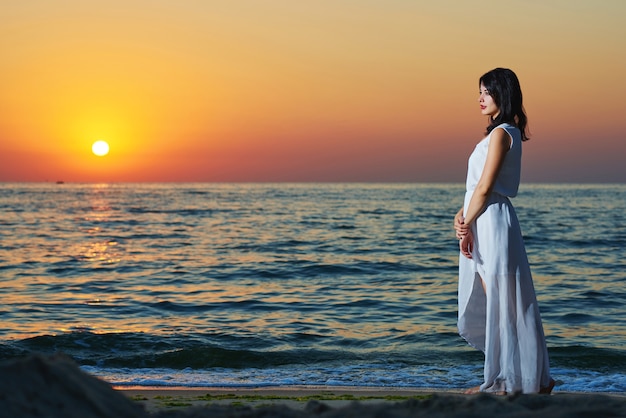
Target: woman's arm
(499, 144)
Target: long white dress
(505, 322)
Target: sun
(100, 148)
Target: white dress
(504, 323)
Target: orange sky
(282, 90)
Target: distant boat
(60, 182)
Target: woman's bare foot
(548, 389)
(475, 390)
(472, 391)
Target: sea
(262, 285)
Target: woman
(498, 311)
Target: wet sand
(157, 399)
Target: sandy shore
(299, 398)
(54, 386)
(305, 401)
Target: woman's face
(487, 104)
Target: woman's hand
(466, 244)
(464, 234)
(459, 225)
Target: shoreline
(55, 387)
(308, 390)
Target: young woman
(498, 311)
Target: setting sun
(100, 148)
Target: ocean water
(295, 284)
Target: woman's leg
(476, 389)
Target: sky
(304, 91)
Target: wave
(140, 350)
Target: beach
(297, 398)
(54, 386)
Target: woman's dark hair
(503, 86)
